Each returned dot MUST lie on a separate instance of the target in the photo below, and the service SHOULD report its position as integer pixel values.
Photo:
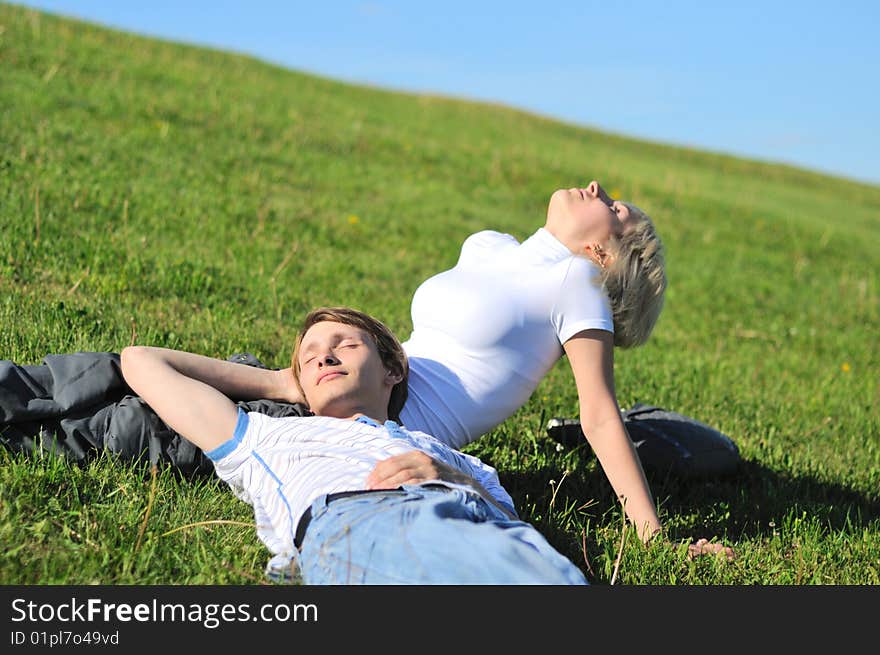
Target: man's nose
(327, 360)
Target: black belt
(306, 517)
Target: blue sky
(786, 81)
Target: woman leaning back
(488, 330)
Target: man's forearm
(418, 467)
(451, 474)
(485, 494)
(236, 381)
(186, 391)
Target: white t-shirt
(488, 330)
(280, 465)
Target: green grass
(183, 197)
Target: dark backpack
(666, 442)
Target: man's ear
(393, 378)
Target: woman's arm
(191, 393)
(591, 356)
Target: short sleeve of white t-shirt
(582, 303)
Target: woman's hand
(706, 547)
(698, 548)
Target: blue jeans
(426, 535)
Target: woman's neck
(565, 238)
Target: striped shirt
(280, 465)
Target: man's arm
(191, 393)
(415, 467)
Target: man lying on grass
(332, 502)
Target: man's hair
(390, 351)
(635, 281)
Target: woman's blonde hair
(390, 351)
(635, 280)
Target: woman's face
(589, 213)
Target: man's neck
(378, 417)
(349, 410)
(363, 418)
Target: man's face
(341, 372)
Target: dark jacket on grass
(79, 405)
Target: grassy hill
(169, 195)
